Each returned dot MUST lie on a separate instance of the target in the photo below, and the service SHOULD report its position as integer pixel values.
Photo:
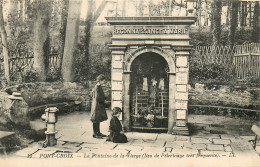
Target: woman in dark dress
(116, 135)
(98, 110)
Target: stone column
(117, 76)
(181, 93)
(126, 101)
(172, 109)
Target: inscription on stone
(150, 30)
(182, 78)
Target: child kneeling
(116, 135)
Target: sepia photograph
(121, 83)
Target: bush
(202, 73)
(29, 75)
(54, 75)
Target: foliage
(203, 36)
(3, 82)
(43, 5)
(253, 81)
(54, 75)
(99, 55)
(29, 75)
(203, 72)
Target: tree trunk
(41, 43)
(4, 44)
(90, 21)
(64, 16)
(88, 28)
(71, 40)
(233, 22)
(228, 14)
(250, 13)
(99, 11)
(245, 14)
(21, 9)
(256, 27)
(216, 9)
(242, 14)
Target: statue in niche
(153, 93)
(149, 77)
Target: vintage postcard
(130, 83)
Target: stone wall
(37, 96)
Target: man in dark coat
(98, 110)
(116, 135)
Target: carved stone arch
(169, 57)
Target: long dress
(115, 128)
(98, 110)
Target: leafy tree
(64, 16)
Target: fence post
(250, 60)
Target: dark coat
(98, 110)
(115, 128)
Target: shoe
(102, 135)
(97, 136)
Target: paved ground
(202, 147)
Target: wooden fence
(247, 60)
(244, 59)
(214, 55)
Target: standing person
(116, 135)
(98, 110)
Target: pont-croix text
(128, 155)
